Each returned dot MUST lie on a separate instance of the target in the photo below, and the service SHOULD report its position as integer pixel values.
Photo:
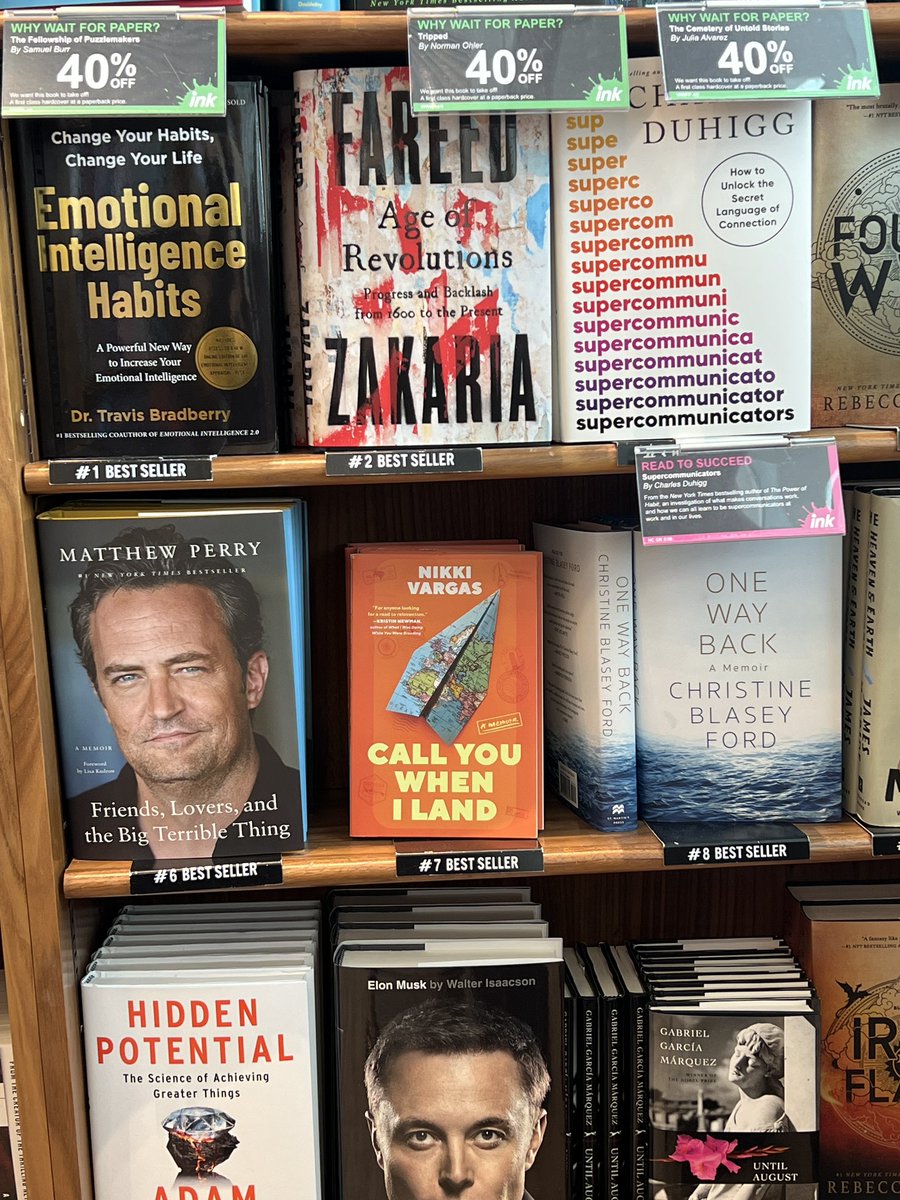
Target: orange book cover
(446, 718)
(855, 965)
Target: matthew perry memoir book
(424, 267)
(178, 663)
(739, 680)
(446, 728)
(147, 249)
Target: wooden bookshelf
(500, 462)
(571, 847)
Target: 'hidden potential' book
(682, 304)
(424, 267)
(178, 664)
(147, 253)
(856, 350)
(738, 656)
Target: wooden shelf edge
(570, 848)
(307, 469)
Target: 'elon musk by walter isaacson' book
(424, 267)
(147, 252)
(446, 714)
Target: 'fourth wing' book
(424, 267)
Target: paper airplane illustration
(446, 679)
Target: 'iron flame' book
(147, 249)
(682, 302)
(178, 664)
(446, 730)
(424, 267)
(738, 656)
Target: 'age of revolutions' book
(856, 285)
(446, 728)
(589, 672)
(178, 663)
(682, 304)
(738, 654)
(424, 267)
(147, 250)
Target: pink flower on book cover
(704, 1157)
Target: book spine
(613, 1131)
(589, 673)
(853, 510)
(591, 1082)
(14, 1119)
(304, 212)
(640, 1165)
(571, 1041)
(878, 776)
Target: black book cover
(635, 1093)
(147, 251)
(611, 1133)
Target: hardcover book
(739, 680)
(451, 1076)
(206, 1071)
(856, 354)
(178, 662)
(678, 233)
(878, 749)
(589, 672)
(148, 278)
(853, 962)
(446, 726)
(424, 267)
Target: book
(12, 1158)
(666, 219)
(856, 368)
(446, 727)
(450, 1069)
(209, 1069)
(589, 672)
(738, 684)
(424, 267)
(634, 1167)
(178, 664)
(878, 753)
(853, 964)
(148, 280)
(612, 1133)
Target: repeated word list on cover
(446, 722)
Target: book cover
(147, 263)
(634, 1166)
(739, 680)
(733, 1103)
(878, 748)
(201, 1089)
(589, 672)
(854, 966)
(450, 1081)
(446, 728)
(680, 299)
(855, 280)
(424, 267)
(178, 679)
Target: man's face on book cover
(456, 1125)
(171, 685)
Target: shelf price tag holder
(693, 491)
(161, 877)
(404, 460)
(114, 62)
(91, 472)
(517, 58)
(461, 858)
(729, 50)
(698, 843)
(885, 839)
